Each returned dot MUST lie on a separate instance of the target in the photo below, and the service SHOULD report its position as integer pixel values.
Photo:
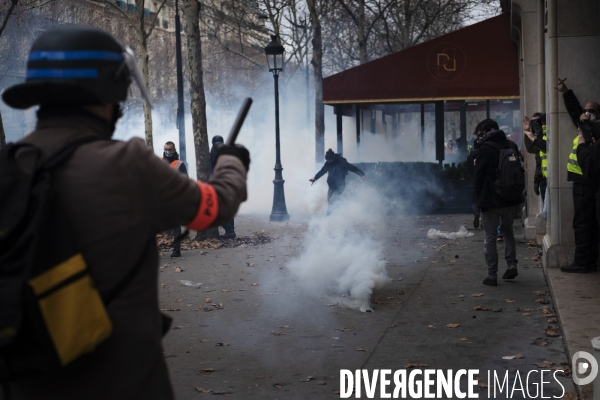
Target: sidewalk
(252, 331)
(577, 300)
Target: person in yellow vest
(535, 131)
(171, 156)
(585, 224)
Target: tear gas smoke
(341, 255)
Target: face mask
(169, 153)
(592, 116)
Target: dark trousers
(333, 195)
(543, 186)
(229, 227)
(585, 224)
(176, 232)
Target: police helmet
(76, 65)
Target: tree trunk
(143, 60)
(2, 135)
(317, 63)
(362, 40)
(190, 10)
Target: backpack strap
(498, 146)
(67, 151)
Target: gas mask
(169, 153)
(592, 116)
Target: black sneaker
(228, 235)
(176, 253)
(510, 273)
(476, 221)
(490, 282)
(581, 269)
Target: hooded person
(171, 156)
(496, 210)
(116, 197)
(337, 168)
(217, 142)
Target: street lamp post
(274, 52)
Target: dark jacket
(117, 196)
(486, 166)
(213, 156)
(175, 157)
(575, 110)
(337, 171)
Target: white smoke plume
(341, 255)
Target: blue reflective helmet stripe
(75, 55)
(62, 73)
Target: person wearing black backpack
(498, 184)
(79, 215)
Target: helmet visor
(136, 75)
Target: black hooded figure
(171, 156)
(337, 168)
(216, 142)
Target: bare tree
(143, 27)
(7, 13)
(317, 64)
(191, 14)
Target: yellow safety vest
(544, 158)
(573, 164)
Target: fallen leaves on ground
(453, 325)
(483, 385)
(430, 327)
(177, 269)
(542, 300)
(254, 284)
(540, 342)
(345, 329)
(509, 300)
(264, 377)
(544, 364)
(570, 396)
(307, 379)
(415, 365)
(206, 371)
(552, 331)
(477, 295)
(203, 390)
(250, 264)
(541, 292)
(321, 383)
(224, 290)
(165, 242)
(222, 344)
(278, 333)
(207, 300)
(279, 385)
(461, 296)
(464, 339)
(360, 349)
(480, 308)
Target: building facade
(556, 38)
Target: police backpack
(50, 310)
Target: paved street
(254, 331)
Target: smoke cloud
(341, 255)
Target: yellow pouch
(74, 313)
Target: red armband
(208, 209)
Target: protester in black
(585, 187)
(229, 227)
(337, 168)
(171, 156)
(495, 210)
